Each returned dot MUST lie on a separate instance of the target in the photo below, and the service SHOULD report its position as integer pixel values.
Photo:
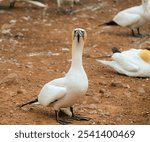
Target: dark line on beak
(78, 37)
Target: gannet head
(79, 35)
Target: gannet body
(66, 91)
(37, 3)
(60, 2)
(133, 62)
(133, 17)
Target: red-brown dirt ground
(35, 47)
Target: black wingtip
(111, 23)
(28, 103)
(115, 50)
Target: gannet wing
(129, 16)
(126, 19)
(134, 10)
(125, 62)
(50, 93)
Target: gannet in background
(133, 17)
(60, 2)
(133, 62)
(37, 3)
(65, 92)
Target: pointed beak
(79, 34)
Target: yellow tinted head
(145, 55)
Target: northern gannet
(37, 3)
(60, 2)
(133, 62)
(66, 91)
(133, 17)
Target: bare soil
(35, 47)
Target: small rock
(104, 114)
(128, 94)
(92, 112)
(53, 54)
(6, 31)
(103, 83)
(26, 18)
(10, 79)
(21, 91)
(92, 106)
(19, 35)
(65, 49)
(107, 94)
(119, 84)
(12, 21)
(96, 99)
(102, 90)
(141, 90)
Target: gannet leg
(77, 117)
(12, 4)
(138, 33)
(60, 121)
(133, 33)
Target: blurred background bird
(133, 17)
(34, 2)
(133, 62)
(72, 2)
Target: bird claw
(80, 118)
(63, 122)
(139, 35)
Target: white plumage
(133, 62)
(37, 3)
(64, 92)
(134, 17)
(60, 2)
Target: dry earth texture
(35, 47)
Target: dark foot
(80, 118)
(60, 121)
(12, 4)
(77, 117)
(139, 35)
(63, 122)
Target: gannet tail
(111, 23)
(35, 101)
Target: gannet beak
(79, 34)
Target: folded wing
(51, 93)
(129, 16)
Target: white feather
(60, 2)
(134, 17)
(66, 91)
(129, 63)
(30, 1)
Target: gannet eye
(79, 33)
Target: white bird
(133, 62)
(66, 91)
(133, 17)
(12, 3)
(60, 2)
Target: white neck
(146, 4)
(77, 49)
